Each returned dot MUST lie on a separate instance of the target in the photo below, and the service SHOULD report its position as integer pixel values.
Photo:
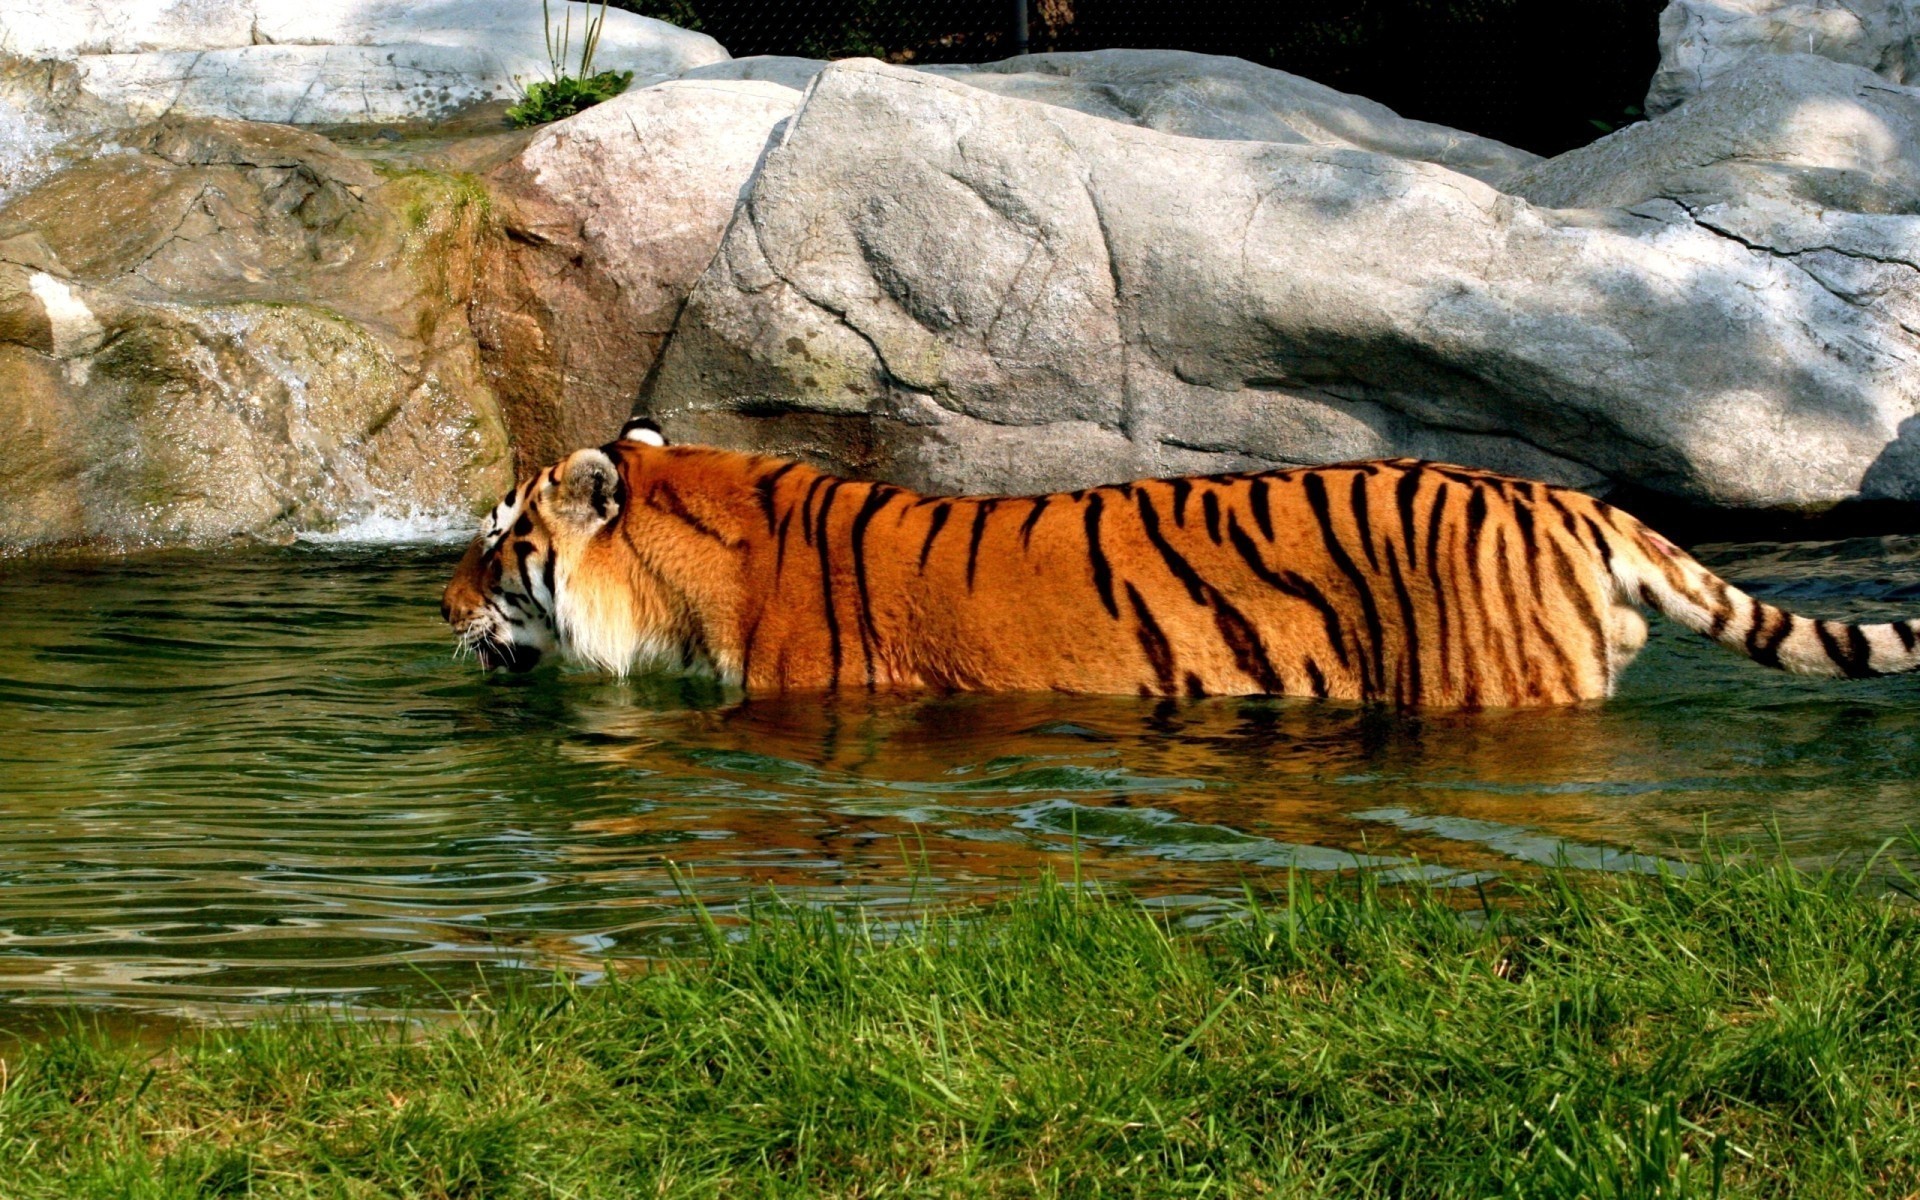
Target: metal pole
(1019, 27)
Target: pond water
(256, 777)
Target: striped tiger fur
(1406, 582)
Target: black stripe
(1195, 689)
(1404, 494)
(1904, 631)
(826, 581)
(1315, 679)
(1290, 584)
(1033, 518)
(1181, 568)
(780, 554)
(1476, 526)
(547, 578)
(806, 506)
(746, 650)
(1362, 524)
(933, 531)
(1372, 678)
(1519, 618)
(1249, 654)
(1236, 631)
(1763, 643)
(524, 551)
(1262, 513)
(1723, 607)
(665, 497)
(1600, 543)
(1182, 488)
(1409, 623)
(982, 509)
(1097, 558)
(1435, 515)
(1153, 641)
(1210, 504)
(764, 487)
(1855, 657)
(1589, 614)
(877, 497)
(1523, 517)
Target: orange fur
(1400, 581)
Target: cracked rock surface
(327, 61)
(215, 329)
(1701, 40)
(1197, 95)
(609, 216)
(964, 290)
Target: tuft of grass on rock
(559, 98)
(1740, 1030)
(568, 91)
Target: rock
(1790, 127)
(610, 215)
(224, 329)
(1701, 40)
(954, 288)
(327, 61)
(1196, 95)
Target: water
(245, 779)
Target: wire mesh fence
(1546, 75)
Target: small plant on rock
(567, 93)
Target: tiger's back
(1398, 581)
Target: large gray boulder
(1197, 95)
(610, 216)
(960, 289)
(1701, 40)
(327, 61)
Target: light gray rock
(1791, 127)
(954, 288)
(611, 215)
(328, 61)
(1701, 40)
(1196, 95)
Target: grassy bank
(1741, 1031)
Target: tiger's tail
(1649, 570)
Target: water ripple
(261, 776)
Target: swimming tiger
(1405, 582)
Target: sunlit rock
(958, 289)
(610, 217)
(1701, 40)
(224, 329)
(1197, 95)
(329, 61)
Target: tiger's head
(570, 563)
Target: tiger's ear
(588, 491)
(644, 430)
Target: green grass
(1742, 1030)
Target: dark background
(1545, 75)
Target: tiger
(1402, 582)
